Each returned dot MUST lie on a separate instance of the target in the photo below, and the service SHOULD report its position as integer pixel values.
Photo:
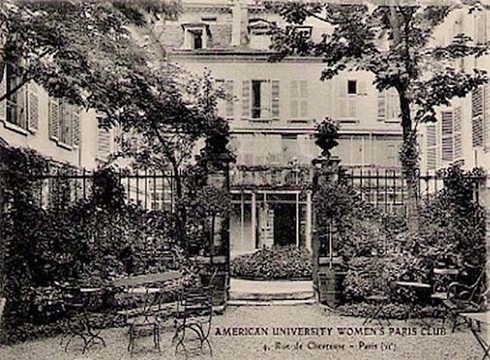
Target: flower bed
(277, 263)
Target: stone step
(270, 302)
(270, 296)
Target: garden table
(151, 287)
(479, 319)
(418, 288)
(143, 280)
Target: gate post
(327, 279)
(220, 266)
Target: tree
(58, 43)
(167, 111)
(423, 74)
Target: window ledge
(260, 119)
(299, 121)
(64, 146)
(16, 128)
(348, 121)
(392, 121)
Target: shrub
(453, 224)
(392, 311)
(90, 241)
(288, 262)
(358, 223)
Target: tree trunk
(180, 209)
(409, 161)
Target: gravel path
(320, 339)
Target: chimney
(239, 25)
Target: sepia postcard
(244, 179)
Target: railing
(271, 177)
(388, 189)
(152, 190)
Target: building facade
(273, 110)
(462, 132)
(59, 131)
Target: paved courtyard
(280, 332)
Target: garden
(90, 241)
(377, 249)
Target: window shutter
(76, 127)
(3, 90)
(293, 93)
(381, 105)
(275, 99)
(303, 108)
(352, 107)
(32, 108)
(486, 115)
(480, 27)
(362, 89)
(246, 99)
(342, 110)
(431, 147)
(458, 144)
(54, 119)
(477, 99)
(229, 99)
(103, 143)
(447, 136)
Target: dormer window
(259, 34)
(196, 36)
(303, 31)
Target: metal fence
(152, 190)
(388, 188)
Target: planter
(220, 287)
(206, 260)
(330, 287)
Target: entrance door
(284, 224)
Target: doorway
(284, 224)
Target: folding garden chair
(378, 298)
(194, 316)
(143, 319)
(463, 298)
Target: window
(347, 104)
(303, 32)
(196, 36)
(352, 87)
(260, 99)
(259, 34)
(16, 103)
(197, 39)
(289, 144)
(64, 122)
(388, 106)
(391, 155)
(299, 99)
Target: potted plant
(327, 133)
